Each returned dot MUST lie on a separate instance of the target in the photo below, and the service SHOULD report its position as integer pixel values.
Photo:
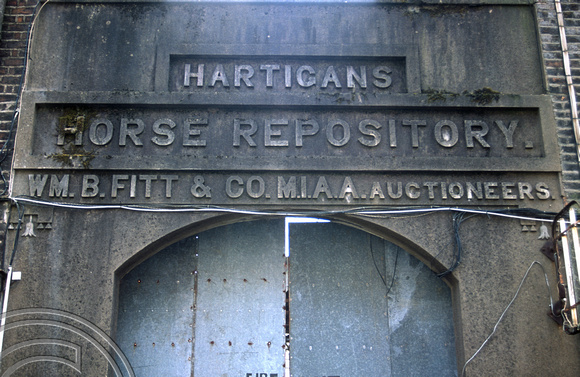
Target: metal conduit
(568, 74)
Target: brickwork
(17, 18)
(556, 81)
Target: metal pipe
(567, 263)
(5, 308)
(568, 74)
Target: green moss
(71, 153)
(438, 10)
(73, 122)
(439, 95)
(483, 96)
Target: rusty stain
(269, 344)
(153, 344)
(265, 280)
(212, 342)
(230, 343)
(245, 280)
(134, 344)
(225, 281)
(172, 344)
(209, 280)
(250, 344)
(189, 340)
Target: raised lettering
(305, 128)
(162, 128)
(329, 77)
(363, 127)
(446, 133)
(348, 188)
(476, 190)
(148, 179)
(286, 189)
(169, 179)
(395, 195)
(412, 190)
(431, 188)
(352, 76)
(96, 136)
(477, 134)
(345, 133)
(59, 187)
(131, 132)
(269, 68)
(90, 187)
(246, 133)
(308, 71)
(190, 135)
(234, 192)
(525, 190)
(489, 190)
(255, 187)
(189, 75)
(508, 132)
(381, 74)
(219, 75)
(392, 134)
(543, 192)
(243, 73)
(269, 133)
(415, 124)
(36, 183)
(507, 190)
(322, 187)
(116, 184)
(456, 190)
(376, 190)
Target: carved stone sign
(328, 129)
(348, 154)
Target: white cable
(505, 311)
(29, 48)
(359, 212)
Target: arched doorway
(229, 302)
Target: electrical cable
(360, 211)
(458, 218)
(394, 272)
(20, 210)
(507, 308)
(374, 261)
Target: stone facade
(90, 253)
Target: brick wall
(556, 81)
(17, 17)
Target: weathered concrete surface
(461, 48)
(106, 55)
(78, 274)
